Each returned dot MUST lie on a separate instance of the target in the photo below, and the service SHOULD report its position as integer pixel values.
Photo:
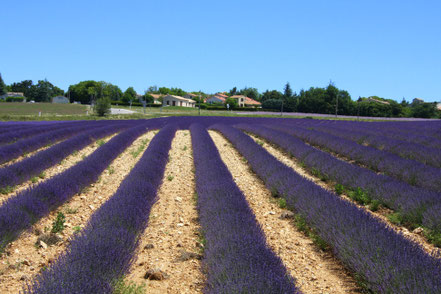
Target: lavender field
(220, 205)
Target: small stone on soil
(155, 274)
(186, 255)
(149, 246)
(48, 239)
(286, 214)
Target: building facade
(172, 100)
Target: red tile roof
(249, 101)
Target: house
(252, 103)
(244, 101)
(417, 101)
(60, 99)
(156, 98)
(240, 100)
(173, 100)
(191, 96)
(217, 98)
(371, 99)
(12, 94)
(438, 106)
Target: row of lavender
(415, 205)
(386, 260)
(423, 133)
(32, 143)
(27, 168)
(410, 171)
(103, 252)
(236, 255)
(25, 208)
(410, 150)
(15, 133)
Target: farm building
(244, 101)
(156, 98)
(371, 99)
(252, 103)
(217, 98)
(60, 99)
(173, 100)
(191, 96)
(240, 100)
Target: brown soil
(66, 163)
(24, 259)
(315, 271)
(381, 214)
(172, 234)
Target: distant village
(320, 100)
(189, 100)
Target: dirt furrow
(380, 214)
(66, 163)
(27, 256)
(315, 271)
(168, 247)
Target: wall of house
(176, 102)
(214, 100)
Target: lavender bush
(385, 259)
(410, 201)
(424, 154)
(17, 133)
(237, 257)
(410, 171)
(18, 213)
(21, 171)
(104, 250)
(11, 151)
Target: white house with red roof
(217, 98)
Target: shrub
(15, 99)
(102, 107)
(58, 224)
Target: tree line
(326, 100)
(331, 100)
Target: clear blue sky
(386, 48)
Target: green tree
(252, 93)
(129, 95)
(43, 91)
(231, 102)
(424, 110)
(273, 95)
(2, 86)
(274, 104)
(88, 91)
(24, 87)
(102, 106)
(287, 92)
(148, 98)
(153, 89)
(233, 91)
(83, 92)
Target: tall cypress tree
(2, 86)
(287, 93)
